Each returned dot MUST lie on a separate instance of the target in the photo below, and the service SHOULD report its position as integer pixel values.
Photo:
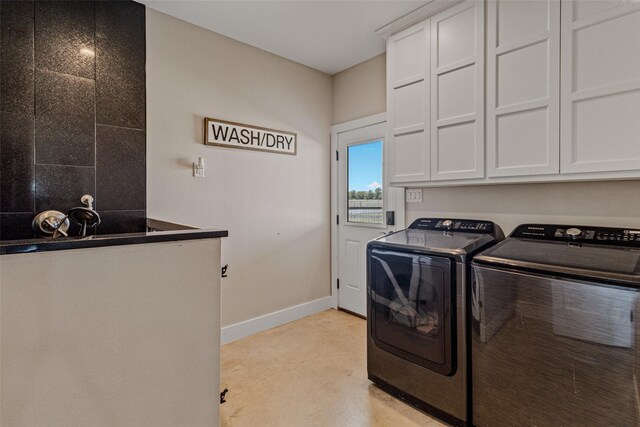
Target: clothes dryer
(417, 305)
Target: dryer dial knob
(447, 223)
(573, 233)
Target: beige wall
(610, 203)
(276, 207)
(360, 91)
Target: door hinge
(337, 219)
(338, 280)
(337, 155)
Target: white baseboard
(271, 320)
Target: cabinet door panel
(457, 92)
(456, 149)
(606, 128)
(523, 75)
(590, 8)
(601, 86)
(455, 35)
(408, 105)
(598, 62)
(524, 137)
(407, 64)
(518, 20)
(523, 87)
(407, 154)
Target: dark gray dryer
(555, 335)
(416, 307)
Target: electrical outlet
(413, 195)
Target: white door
(408, 104)
(364, 201)
(600, 89)
(523, 87)
(457, 92)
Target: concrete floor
(311, 372)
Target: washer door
(568, 347)
(410, 307)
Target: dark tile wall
(72, 111)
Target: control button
(573, 233)
(447, 223)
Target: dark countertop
(156, 231)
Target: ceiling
(329, 36)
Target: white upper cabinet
(457, 92)
(523, 87)
(560, 99)
(408, 104)
(600, 105)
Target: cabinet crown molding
(421, 13)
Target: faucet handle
(56, 226)
(87, 200)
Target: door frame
(336, 130)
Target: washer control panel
(573, 233)
(452, 224)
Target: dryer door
(411, 310)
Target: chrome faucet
(54, 222)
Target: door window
(364, 183)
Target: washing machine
(416, 312)
(555, 336)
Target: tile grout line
(120, 127)
(35, 118)
(95, 107)
(63, 166)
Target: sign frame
(265, 130)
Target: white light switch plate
(413, 195)
(198, 172)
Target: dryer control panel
(579, 234)
(461, 225)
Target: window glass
(364, 183)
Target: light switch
(413, 195)
(198, 168)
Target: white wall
(276, 207)
(609, 203)
(360, 91)
(136, 345)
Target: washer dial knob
(573, 233)
(447, 223)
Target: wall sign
(236, 135)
